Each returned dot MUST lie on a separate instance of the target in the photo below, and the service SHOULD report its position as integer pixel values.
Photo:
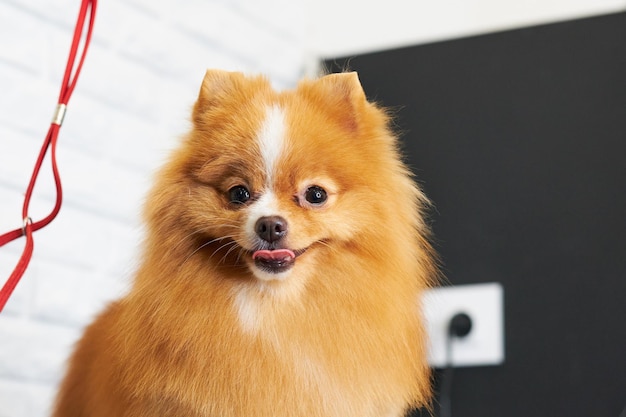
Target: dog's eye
(315, 195)
(238, 195)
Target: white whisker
(225, 245)
(229, 251)
(205, 245)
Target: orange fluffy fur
(199, 334)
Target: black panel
(519, 138)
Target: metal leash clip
(59, 114)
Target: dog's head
(276, 182)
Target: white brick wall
(139, 81)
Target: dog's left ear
(345, 85)
(344, 97)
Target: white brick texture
(130, 106)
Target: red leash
(69, 82)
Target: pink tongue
(274, 255)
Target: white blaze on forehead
(271, 139)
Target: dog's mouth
(276, 261)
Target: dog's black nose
(271, 228)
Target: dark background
(519, 139)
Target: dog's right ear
(217, 82)
(216, 85)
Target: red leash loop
(67, 87)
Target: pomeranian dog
(285, 256)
